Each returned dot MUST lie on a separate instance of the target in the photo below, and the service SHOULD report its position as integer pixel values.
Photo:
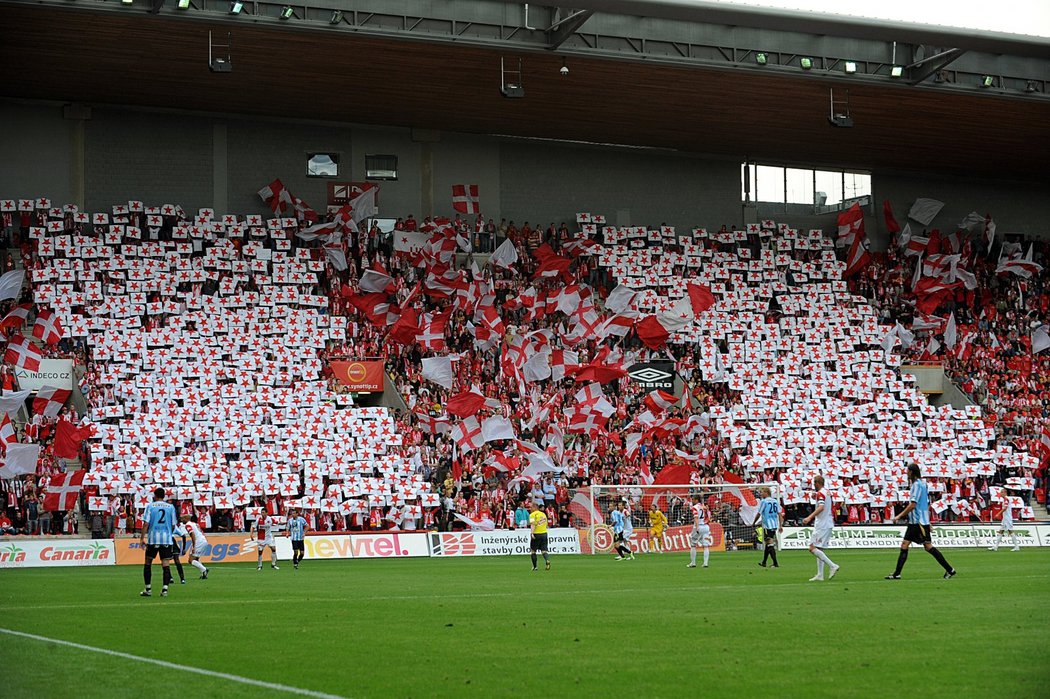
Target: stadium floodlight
(806, 62)
(236, 7)
(761, 59)
(337, 17)
(851, 67)
(987, 81)
(126, 2)
(896, 71)
(183, 4)
(287, 12)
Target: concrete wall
(198, 161)
(151, 157)
(543, 182)
(36, 153)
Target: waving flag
(49, 400)
(11, 284)
(851, 226)
(20, 459)
(468, 435)
(47, 328)
(17, 317)
(63, 490)
(465, 199)
(438, 370)
(274, 194)
(23, 353)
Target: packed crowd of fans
(994, 364)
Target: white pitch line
(175, 666)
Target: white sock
(273, 558)
(821, 556)
(692, 556)
(998, 540)
(198, 565)
(260, 557)
(820, 568)
(707, 553)
(1015, 540)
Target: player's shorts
(538, 542)
(263, 543)
(618, 537)
(918, 534)
(656, 532)
(154, 550)
(201, 550)
(769, 532)
(1004, 527)
(298, 545)
(821, 537)
(700, 536)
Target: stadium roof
(306, 68)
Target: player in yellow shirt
(538, 540)
(657, 523)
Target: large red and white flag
(858, 257)
(659, 401)
(17, 317)
(23, 353)
(274, 195)
(47, 328)
(468, 435)
(63, 490)
(7, 430)
(49, 400)
(851, 226)
(364, 201)
(465, 199)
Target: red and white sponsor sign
(504, 542)
(51, 553)
(384, 545)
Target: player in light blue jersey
(769, 514)
(159, 521)
(918, 531)
(617, 517)
(297, 533)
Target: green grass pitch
(592, 626)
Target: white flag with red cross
(47, 328)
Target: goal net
(733, 508)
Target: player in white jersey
(1007, 525)
(263, 530)
(701, 534)
(823, 523)
(198, 545)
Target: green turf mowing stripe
(175, 666)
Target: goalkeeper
(657, 524)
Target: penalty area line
(175, 666)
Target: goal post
(733, 508)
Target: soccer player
(1007, 525)
(918, 531)
(538, 538)
(823, 523)
(198, 543)
(158, 524)
(617, 517)
(628, 527)
(177, 548)
(769, 514)
(297, 533)
(263, 530)
(657, 523)
(701, 534)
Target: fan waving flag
(20, 460)
(17, 317)
(23, 353)
(700, 297)
(68, 438)
(47, 328)
(63, 490)
(465, 199)
(273, 195)
(11, 284)
(49, 400)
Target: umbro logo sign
(651, 375)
